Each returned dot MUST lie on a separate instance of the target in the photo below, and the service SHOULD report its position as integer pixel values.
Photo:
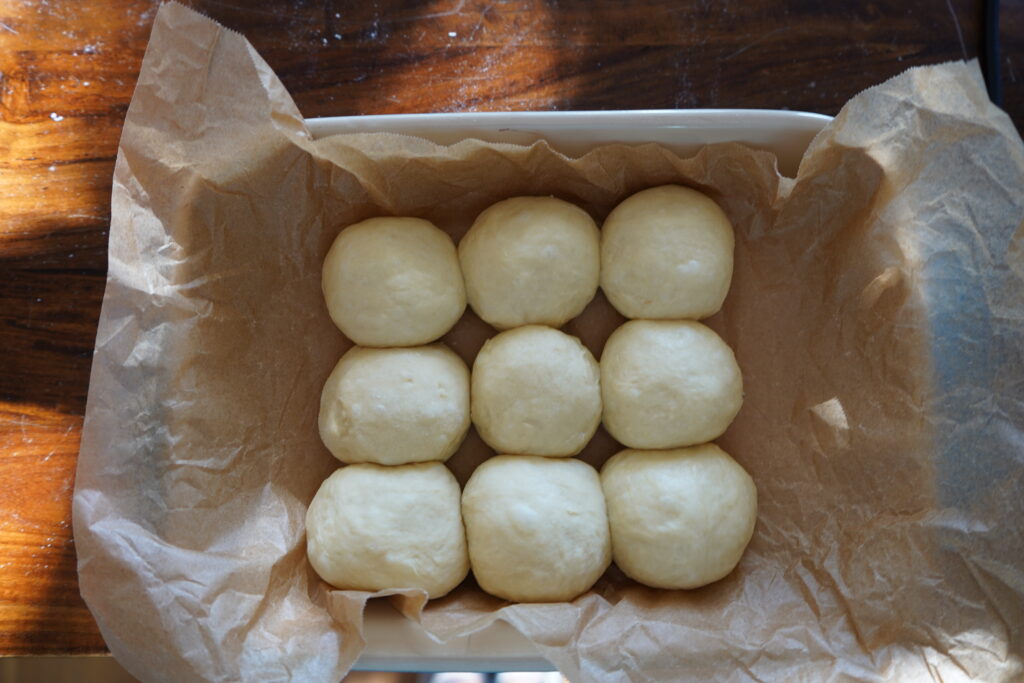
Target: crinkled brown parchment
(877, 311)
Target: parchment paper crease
(877, 312)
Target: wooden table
(68, 67)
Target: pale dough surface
(393, 282)
(530, 260)
(668, 383)
(536, 390)
(395, 406)
(679, 518)
(537, 527)
(667, 253)
(371, 528)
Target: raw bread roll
(668, 383)
(536, 390)
(395, 406)
(371, 527)
(666, 253)
(393, 282)
(537, 527)
(679, 518)
(531, 260)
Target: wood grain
(68, 67)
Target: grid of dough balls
(534, 524)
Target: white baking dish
(393, 642)
(786, 133)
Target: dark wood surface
(67, 69)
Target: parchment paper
(877, 311)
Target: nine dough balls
(530, 260)
(393, 282)
(537, 527)
(395, 406)
(668, 383)
(371, 527)
(666, 252)
(680, 518)
(536, 390)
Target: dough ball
(668, 383)
(371, 527)
(531, 260)
(536, 390)
(679, 518)
(666, 253)
(395, 406)
(537, 527)
(393, 282)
